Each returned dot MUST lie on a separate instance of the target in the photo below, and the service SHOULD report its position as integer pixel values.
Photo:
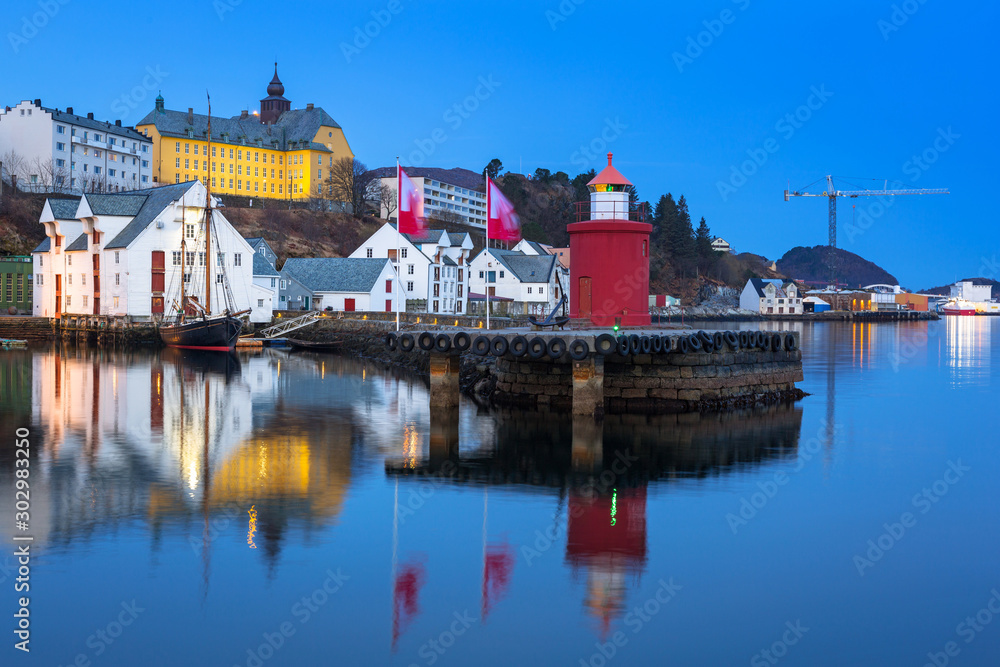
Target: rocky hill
(945, 290)
(812, 265)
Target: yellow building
(281, 152)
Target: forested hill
(812, 264)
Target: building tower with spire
(275, 104)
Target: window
(69, 299)
(111, 172)
(282, 298)
(283, 287)
(60, 129)
(260, 303)
(40, 276)
(69, 260)
(201, 259)
(187, 148)
(218, 278)
(541, 290)
(177, 147)
(237, 259)
(177, 163)
(118, 279)
(83, 278)
(402, 253)
(220, 259)
(409, 269)
(60, 146)
(189, 231)
(409, 286)
(69, 278)
(482, 274)
(501, 274)
(368, 253)
(176, 258)
(187, 277)
(437, 292)
(436, 306)
(196, 149)
(60, 163)
(529, 290)
(187, 163)
(388, 285)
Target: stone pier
(444, 372)
(588, 386)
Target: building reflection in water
(601, 471)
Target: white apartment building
(432, 267)
(120, 254)
(59, 151)
(454, 191)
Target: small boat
(958, 307)
(8, 343)
(316, 346)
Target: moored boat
(216, 333)
(316, 346)
(958, 307)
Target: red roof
(609, 176)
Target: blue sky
(684, 94)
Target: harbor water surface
(288, 508)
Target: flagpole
(488, 212)
(399, 235)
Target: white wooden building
(532, 281)
(771, 296)
(433, 267)
(345, 284)
(120, 254)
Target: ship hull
(218, 334)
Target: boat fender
(645, 344)
(732, 340)
(718, 339)
(623, 345)
(518, 346)
(406, 342)
(705, 337)
(744, 339)
(537, 347)
(634, 344)
(694, 343)
(556, 348)
(390, 341)
(462, 341)
(499, 346)
(656, 344)
(481, 346)
(578, 350)
(683, 345)
(605, 344)
(790, 342)
(442, 342)
(426, 341)
(775, 342)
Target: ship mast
(208, 218)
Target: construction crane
(832, 193)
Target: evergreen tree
(703, 241)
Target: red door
(585, 297)
(58, 312)
(388, 305)
(349, 305)
(158, 269)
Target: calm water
(297, 509)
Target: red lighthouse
(609, 272)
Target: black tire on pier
(732, 340)
(623, 346)
(645, 344)
(775, 342)
(537, 347)
(762, 339)
(704, 336)
(656, 344)
(406, 342)
(605, 344)
(462, 341)
(790, 342)
(442, 342)
(499, 346)
(518, 345)
(556, 348)
(426, 341)
(578, 350)
(708, 346)
(744, 337)
(718, 339)
(694, 343)
(481, 346)
(683, 345)
(390, 341)
(634, 344)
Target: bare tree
(44, 172)
(348, 183)
(388, 199)
(13, 163)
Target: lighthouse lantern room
(609, 272)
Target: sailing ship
(195, 328)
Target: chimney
(69, 110)
(244, 114)
(38, 102)
(309, 107)
(118, 122)
(190, 116)
(90, 115)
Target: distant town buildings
(970, 291)
(449, 194)
(771, 297)
(16, 284)
(432, 267)
(47, 150)
(281, 152)
(120, 254)
(720, 244)
(531, 282)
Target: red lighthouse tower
(609, 271)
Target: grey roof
(43, 246)
(758, 285)
(457, 239)
(156, 199)
(538, 248)
(262, 267)
(429, 236)
(127, 205)
(101, 126)
(448, 261)
(293, 125)
(461, 177)
(64, 209)
(335, 274)
(526, 268)
(254, 241)
(79, 244)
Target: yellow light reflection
(252, 528)
(411, 446)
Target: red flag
(502, 220)
(411, 206)
(405, 590)
(497, 565)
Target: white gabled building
(59, 151)
(432, 267)
(771, 296)
(344, 283)
(532, 281)
(120, 254)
